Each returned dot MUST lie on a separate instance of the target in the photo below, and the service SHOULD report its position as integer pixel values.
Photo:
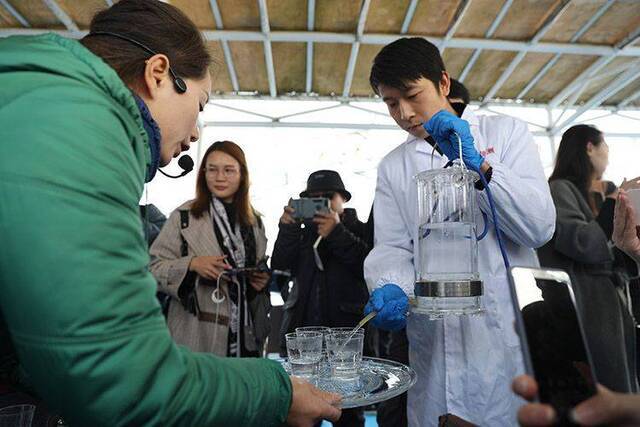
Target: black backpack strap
(184, 223)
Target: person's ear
(445, 84)
(156, 74)
(590, 148)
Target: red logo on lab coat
(489, 150)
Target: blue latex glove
(391, 303)
(443, 126)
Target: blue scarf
(153, 132)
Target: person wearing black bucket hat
(326, 259)
(325, 181)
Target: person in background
(458, 93)
(152, 221)
(581, 247)
(607, 407)
(453, 376)
(329, 288)
(202, 239)
(394, 345)
(81, 328)
(602, 196)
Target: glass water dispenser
(447, 278)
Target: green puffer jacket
(77, 299)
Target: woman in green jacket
(83, 125)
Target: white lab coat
(465, 365)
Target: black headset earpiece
(178, 83)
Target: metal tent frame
(628, 73)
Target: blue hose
(492, 205)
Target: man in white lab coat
(464, 364)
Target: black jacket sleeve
(286, 250)
(350, 249)
(605, 217)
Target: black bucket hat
(323, 181)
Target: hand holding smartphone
(553, 341)
(306, 208)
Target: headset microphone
(185, 162)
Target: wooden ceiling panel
(220, 80)
(7, 20)
(337, 15)
(627, 91)
(574, 17)
(81, 11)
(248, 58)
(487, 69)
(560, 75)
(199, 11)
(620, 20)
(239, 14)
(329, 67)
(290, 64)
(478, 18)
(386, 16)
(360, 85)
(597, 85)
(37, 14)
(594, 88)
(455, 60)
(524, 72)
(287, 15)
(524, 18)
(433, 17)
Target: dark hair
(160, 26)
(245, 212)
(404, 61)
(572, 160)
(458, 90)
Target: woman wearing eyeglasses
(214, 309)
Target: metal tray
(379, 380)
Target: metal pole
(226, 51)
(15, 13)
(355, 47)
(61, 15)
(268, 54)
(311, 10)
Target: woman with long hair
(200, 245)
(581, 247)
(83, 124)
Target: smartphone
(306, 208)
(553, 340)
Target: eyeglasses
(227, 172)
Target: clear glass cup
(347, 329)
(344, 352)
(324, 330)
(305, 354)
(17, 416)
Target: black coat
(581, 247)
(333, 297)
